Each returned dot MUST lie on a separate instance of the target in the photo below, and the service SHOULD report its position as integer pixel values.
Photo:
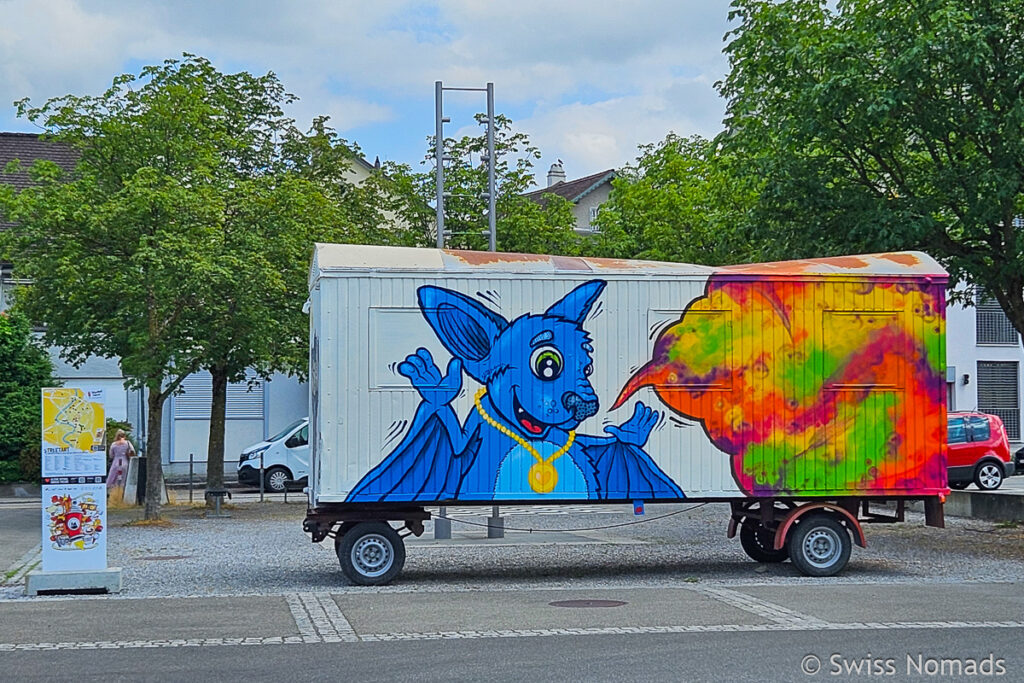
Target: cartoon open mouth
(528, 422)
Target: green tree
(125, 255)
(681, 201)
(521, 224)
(883, 126)
(25, 369)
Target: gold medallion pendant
(543, 477)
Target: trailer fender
(846, 518)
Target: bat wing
(421, 468)
(626, 471)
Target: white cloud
(588, 79)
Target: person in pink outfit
(120, 451)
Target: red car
(978, 451)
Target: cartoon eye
(589, 370)
(546, 363)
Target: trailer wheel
(758, 543)
(371, 553)
(819, 545)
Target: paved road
(470, 609)
(20, 530)
(739, 634)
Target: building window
(594, 210)
(993, 325)
(999, 393)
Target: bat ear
(576, 304)
(465, 327)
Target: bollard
(261, 477)
(442, 525)
(190, 469)
(495, 524)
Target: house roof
(573, 190)
(29, 148)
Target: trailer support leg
(495, 524)
(442, 525)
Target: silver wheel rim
(989, 477)
(822, 547)
(276, 480)
(372, 555)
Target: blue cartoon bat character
(519, 440)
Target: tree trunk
(215, 448)
(154, 466)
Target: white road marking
(508, 633)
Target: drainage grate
(587, 603)
(166, 557)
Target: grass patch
(1008, 524)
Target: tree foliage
(182, 238)
(881, 126)
(522, 225)
(681, 201)
(25, 369)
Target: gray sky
(587, 80)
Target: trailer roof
(346, 258)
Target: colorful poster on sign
(74, 527)
(74, 425)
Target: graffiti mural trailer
(799, 393)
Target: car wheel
(819, 545)
(276, 479)
(371, 553)
(988, 476)
(959, 485)
(758, 543)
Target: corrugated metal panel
(366, 407)
(999, 393)
(244, 399)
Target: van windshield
(286, 431)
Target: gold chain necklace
(542, 476)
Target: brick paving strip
(21, 567)
(319, 620)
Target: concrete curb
(992, 506)
(19, 490)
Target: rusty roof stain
(343, 257)
(483, 258)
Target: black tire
(959, 485)
(819, 545)
(988, 475)
(275, 479)
(371, 553)
(758, 543)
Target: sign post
(74, 495)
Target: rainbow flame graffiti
(825, 385)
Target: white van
(285, 458)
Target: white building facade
(984, 357)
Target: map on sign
(73, 421)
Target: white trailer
(796, 392)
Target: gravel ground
(261, 549)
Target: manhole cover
(587, 603)
(166, 557)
